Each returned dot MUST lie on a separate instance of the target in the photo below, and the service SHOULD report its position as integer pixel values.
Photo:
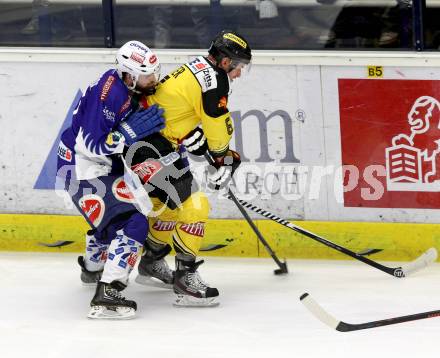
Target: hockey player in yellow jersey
(195, 98)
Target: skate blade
(102, 312)
(189, 301)
(152, 282)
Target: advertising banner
(390, 136)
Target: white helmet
(137, 59)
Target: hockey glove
(141, 124)
(220, 173)
(195, 142)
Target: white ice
(43, 311)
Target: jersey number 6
(229, 126)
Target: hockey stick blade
(318, 311)
(368, 252)
(422, 261)
(326, 318)
(399, 272)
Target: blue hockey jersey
(88, 144)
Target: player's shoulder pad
(204, 73)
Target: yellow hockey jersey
(196, 93)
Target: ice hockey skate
(154, 270)
(189, 287)
(108, 303)
(88, 278)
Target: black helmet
(230, 44)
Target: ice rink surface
(44, 306)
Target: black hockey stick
(282, 265)
(341, 326)
(423, 260)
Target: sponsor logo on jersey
(93, 207)
(164, 225)
(153, 59)
(113, 138)
(106, 88)
(122, 192)
(223, 102)
(147, 170)
(138, 58)
(64, 152)
(132, 259)
(197, 65)
(109, 115)
(103, 256)
(207, 78)
(236, 39)
(125, 105)
(195, 229)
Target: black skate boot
(191, 291)
(88, 278)
(154, 270)
(108, 302)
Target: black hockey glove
(195, 142)
(220, 173)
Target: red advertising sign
(390, 137)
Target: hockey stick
(341, 326)
(422, 261)
(282, 265)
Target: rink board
(400, 242)
(317, 143)
(315, 139)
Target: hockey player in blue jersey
(105, 122)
